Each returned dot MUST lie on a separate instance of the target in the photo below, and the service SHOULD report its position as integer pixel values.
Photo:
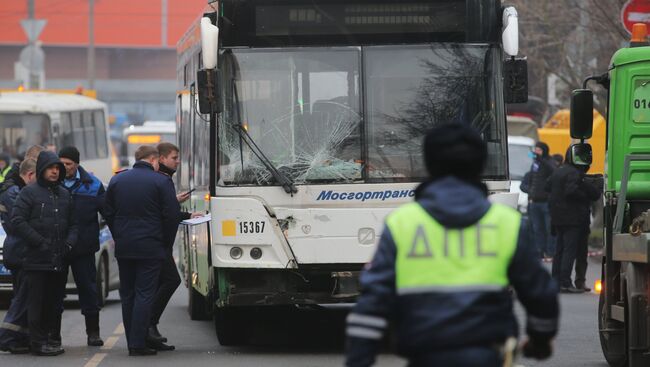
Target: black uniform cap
(455, 149)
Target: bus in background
(149, 133)
(29, 118)
(300, 128)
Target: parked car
(107, 270)
(519, 162)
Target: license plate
(4, 271)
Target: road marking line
(95, 360)
(119, 330)
(110, 342)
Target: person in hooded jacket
(43, 220)
(143, 214)
(88, 199)
(443, 267)
(14, 332)
(571, 196)
(534, 184)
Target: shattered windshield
(301, 108)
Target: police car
(107, 271)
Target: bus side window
(89, 134)
(65, 131)
(78, 133)
(100, 134)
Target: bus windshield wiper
(286, 183)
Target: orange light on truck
(598, 286)
(639, 32)
(144, 139)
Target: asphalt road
(303, 338)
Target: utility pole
(91, 44)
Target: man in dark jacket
(534, 185)
(571, 195)
(43, 220)
(443, 267)
(88, 200)
(14, 332)
(143, 214)
(169, 279)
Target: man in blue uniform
(143, 215)
(88, 200)
(444, 266)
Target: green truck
(623, 312)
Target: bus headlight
(256, 253)
(236, 253)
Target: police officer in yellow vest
(443, 268)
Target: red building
(135, 57)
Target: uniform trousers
(168, 283)
(138, 286)
(84, 272)
(14, 330)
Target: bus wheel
(196, 305)
(228, 325)
(612, 337)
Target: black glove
(66, 248)
(537, 349)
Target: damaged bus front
(316, 129)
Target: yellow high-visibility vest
(432, 258)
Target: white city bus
(315, 134)
(29, 118)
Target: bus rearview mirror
(206, 85)
(515, 78)
(582, 113)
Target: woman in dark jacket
(42, 218)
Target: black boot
(54, 335)
(92, 330)
(134, 352)
(154, 335)
(159, 346)
(46, 350)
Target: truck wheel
(612, 341)
(228, 323)
(196, 305)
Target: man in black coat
(42, 218)
(143, 215)
(14, 332)
(534, 184)
(88, 199)
(571, 195)
(169, 279)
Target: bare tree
(571, 39)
